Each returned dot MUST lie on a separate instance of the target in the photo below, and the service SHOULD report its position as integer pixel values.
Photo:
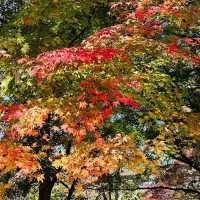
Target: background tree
(38, 26)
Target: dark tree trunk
(46, 187)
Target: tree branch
(187, 161)
(71, 190)
(64, 184)
(186, 190)
(84, 29)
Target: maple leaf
(81, 133)
(139, 14)
(82, 105)
(38, 72)
(12, 133)
(86, 83)
(48, 62)
(188, 41)
(103, 98)
(99, 141)
(134, 84)
(115, 103)
(130, 29)
(23, 60)
(78, 188)
(31, 132)
(14, 111)
(129, 102)
(172, 48)
(150, 12)
(40, 178)
(116, 94)
(92, 91)
(110, 84)
(107, 112)
(65, 127)
(195, 59)
(1, 108)
(78, 140)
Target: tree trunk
(46, 187)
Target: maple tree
(122, 99)
(32, 27)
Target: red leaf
(103, 98)
(92, 91)
(130, 29)
(115, 103)
(188, 41)
(13, 112)
(196, 59)
(94, 100)
(1, 108)
(129, 102)
(115, 95)
(100, 141)
(107, 112)
(139, 14)
(86, 83)
(150, 12)
(12, 133)
(172, 49)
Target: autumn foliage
(69, 97)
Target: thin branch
(71, 190)
(64, 184)
(187, 190)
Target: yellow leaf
(40, 178)
(78, 187)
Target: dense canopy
(100, 99)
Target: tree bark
(46, 187)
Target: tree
(32, 27)
(119, 100)
(8, 9)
